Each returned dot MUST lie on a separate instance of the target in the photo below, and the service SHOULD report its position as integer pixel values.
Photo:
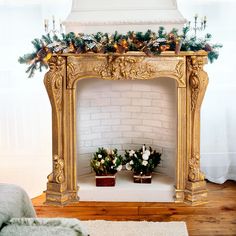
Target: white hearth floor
(160, 190)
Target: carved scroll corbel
(54, 85)
(57, 176)
(198, 81)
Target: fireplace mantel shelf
(186, 69)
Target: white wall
(25, 112)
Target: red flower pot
(142, 179)
(105, 180)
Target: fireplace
(186, 69)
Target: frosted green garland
(151, 43)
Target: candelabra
(53, 30)
(198, 25)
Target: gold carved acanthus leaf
(195, 174)
(54, 80)
(124, 67)
(197, 80)
(57, 176)
(180, 73)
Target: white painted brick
(154, 123)
(169, 97)
(110, 122)
(162, 103)
(143, 128)
(146, 116)
(110, 109)
(82, 128)
(168, 118)
(111, 135)
(84, 132)
(121, 140)
(86, 95)
(100, 116)
(120, 101)
(102, 142)
(141, 102)
(132, 146)
(131, 122)
(101, 102)
(112, 94)
(88, 110)
(126, 114)
(115, 146)
(169, 111)
(92, 149)
(121, 115)
(122, 128)
(155, 136)
(85, 143)
(91, 136)
(168, 125)
(153, 110)
(130, 94)
(164, 131)
(121, 86)
(131, 109)
(141, 86)
(104, 128)
(142, 141)
(84, 116)
(152, 95)
(84, 103)
(132, 134)
(89, 123)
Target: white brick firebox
(124, 115)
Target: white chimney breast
(108, 16)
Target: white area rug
(135, 228)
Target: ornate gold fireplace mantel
(60, 81)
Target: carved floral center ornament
(134, 56)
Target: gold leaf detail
(194, 172)
(180, 72)
(125, 68)
(58, 166)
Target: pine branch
(37, 43)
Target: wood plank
(218, 217)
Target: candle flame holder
(53, 30)
(198, 25)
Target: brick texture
(125, 115)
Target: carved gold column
(57, 186)
(195, 192)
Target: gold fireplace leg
(195, 189)
(58, 190)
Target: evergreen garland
(151, 43)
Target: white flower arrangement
(142, 161)
(106, 162)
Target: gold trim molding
(191, 82)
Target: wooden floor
(218, 217)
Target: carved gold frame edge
(191, 85)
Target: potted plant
(142, 162)
(106, 163)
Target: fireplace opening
(126, 114)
